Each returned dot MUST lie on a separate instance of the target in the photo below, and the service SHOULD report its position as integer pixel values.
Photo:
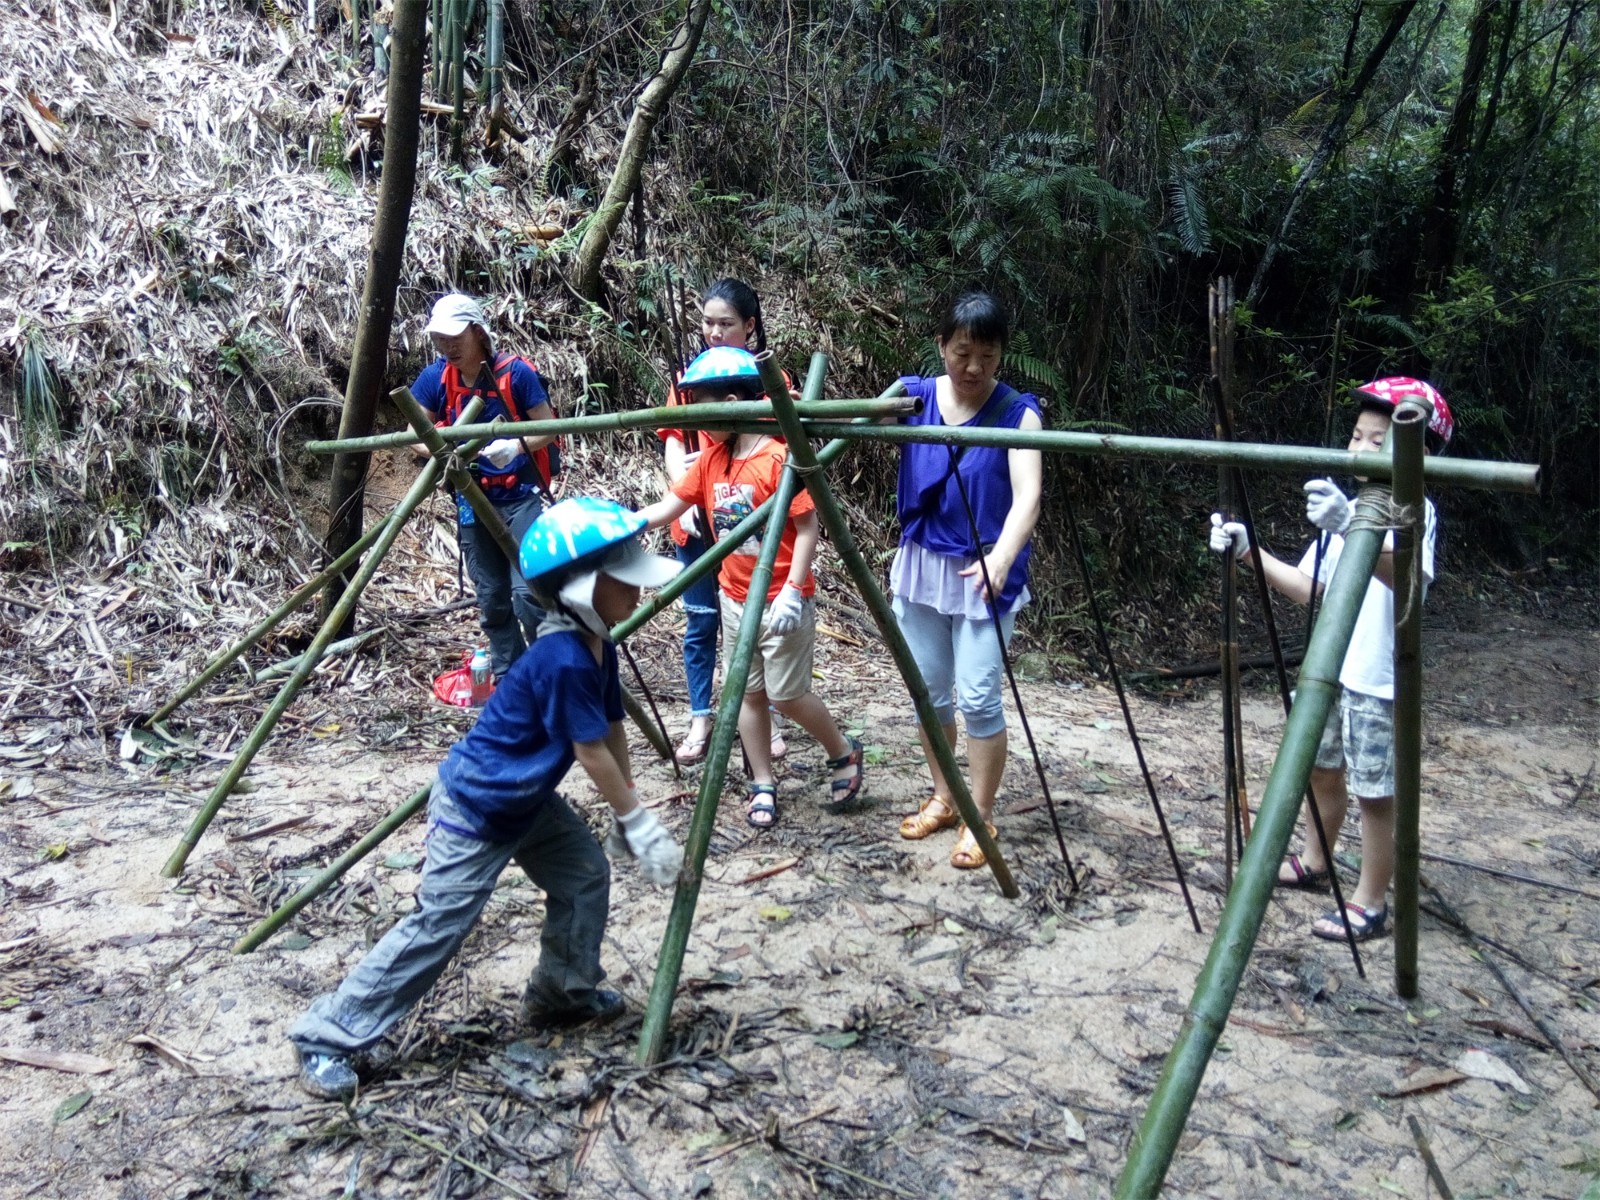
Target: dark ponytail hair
(979, 316)
(742, 298)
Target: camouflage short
(1359, 737)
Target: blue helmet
(571, 533)
(722, 365)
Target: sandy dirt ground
(856, 1018)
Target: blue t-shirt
(928, 497)
(527, 391)
(521, 748)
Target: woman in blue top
(940, 598)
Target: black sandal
(761, 806)
(844, 794)
(1305, 879)
(1365, 923)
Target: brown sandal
(968, 855)
(929, 819)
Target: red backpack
(545, 463)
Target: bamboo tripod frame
(1164, 1119)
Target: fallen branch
(1428, 1160)
(1512, 875)
(346, 646)
(1539, 1022)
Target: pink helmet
(1389, 391)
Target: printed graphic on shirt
(732, 503)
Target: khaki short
(781, 665)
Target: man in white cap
(514, 473)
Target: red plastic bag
(455, 687)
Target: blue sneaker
(327, 1076)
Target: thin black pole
(1127, 713)
(649, 698)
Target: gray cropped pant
(558, 853)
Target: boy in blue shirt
(495, 800)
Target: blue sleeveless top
(929, 499)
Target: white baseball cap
(453, 313)
(630, 563)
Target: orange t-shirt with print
(730, 489)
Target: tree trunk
(1441, 228)
(371, 353)
(635, 145)
(1398, 16)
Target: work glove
(502, 451)
(648, 840)
(690, 522)
(784, 613)
(616, 843)
(1228, 533)
(1326, 506)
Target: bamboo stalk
(494, 39)
(669, 962)
(461, 479)
(419, 492)
(297, 600)
(804, 460)
(698, 416)
(725, 545)
(1406, 441)
(1156, 1140)
(1501, 477)
(333, 872)
(458, 120)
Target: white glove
(616, 843)
(784, 613)
(1228, 533)
(1326, 506)
(501, 451)
(660, 858)
(690, 522)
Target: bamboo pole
(698, 416)
(708, 562)
(458, 56)
(669, 963)
(1494, 476)
(333, 872)
(489, 517)
(297, 600)
(1218, 982)
(804, 460)
(1406, 431)
(419, 492)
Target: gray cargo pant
(559, 854)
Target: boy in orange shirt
(734, 475)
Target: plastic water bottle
(482, 677)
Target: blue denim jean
(700, 637)
(507, 612)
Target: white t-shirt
(1369, 663)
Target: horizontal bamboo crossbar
(680, 416)
(1495, 476)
